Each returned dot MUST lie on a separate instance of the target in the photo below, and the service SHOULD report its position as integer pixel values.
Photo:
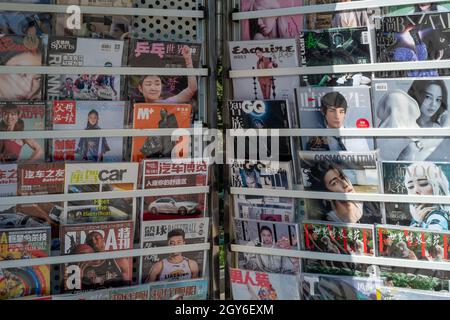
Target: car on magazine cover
(170, 205)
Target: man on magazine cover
(334, 107)
(175, 266)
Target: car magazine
(24, 243)
(22, 116)
(91, 238)
(168, 174)
(83, 52)
(264, 54)
(265, 208)
(255, 285)
(195, 289)
(88, 115)
(335, 108)
(253, 174)
(282, 27)
(178, 265)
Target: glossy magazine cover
(252, 174)
(265, 208)
(98, 3)
(140, 292)
(88, 115)
(393, 293)
(24, 23)
(196, 289)
(442, 6)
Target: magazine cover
(253, 174)
(282, 27)
(335, 108)
(98, 3)
(393, 293)
(265, 208)
(179, 265)
(84, 52)
(417, 8)
(8, 180)
(254, 285)
(89, 295)
(262, 115)
(268, 263)
(412, 243)
(417, 178)
(418, 37)
(140, 292)
(167, 174)
(328, 287)
(22, 116)
(196, 289)
(339, 238)
(88, 115)
(25, 23)
(264, 54)
(91, 238)
(88, 177)
(160, 116)
(25, 243)
(21, 51)
(412, 103)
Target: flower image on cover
(168, 174)
(90, 177)
(265, 208)
(88, 115)
(412, 243)
(83, 52)
(427, 7)
(417, 178)
(140, 292)
(282, 27)
(418, 37)
(22, 116)
(91, 238)
(25, 23)
(412, 103)
(24, 243)
(196, 289)
(328, 287)
(252, 174)
(160, 116)
(335, 108)
(178, 265)
(264, 54)
(394, 293)
(338, 238)
(255, 285)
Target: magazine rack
(189, 21)
(231, 30)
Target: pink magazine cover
(270, 27)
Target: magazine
(252, 174)
(89, 295)
(335, 108)
(393, 293)
(412, 103)
(98, 3)
(417, 37)
(282, 27)
(167, 174)
(255, 285)
(173, 266)
(339, 238)
(97, 237)
(22, 116)
(25, 23)
(140, 292)
(328, 287)
(264, 54)
(84, 52)
(160, 116)
(24, 243)
(8, 180)
(417, 178)
(442, 6)
(90, 177)
(196, 289)
(88, 115)
(265, 208)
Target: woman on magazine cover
(426, 178)
(350, 18)
(92, 149)
(10, 150)
(151, 87)
(25, 51)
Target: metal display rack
(189, 22)
(231, 29)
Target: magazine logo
(257, 107)
(63, 45)
(145, 113)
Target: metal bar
(368, 197)
(381, 261)
(101, 255)
(104, 70)
(353, 5)
(103, 10)
(101, 195)
(343, 68)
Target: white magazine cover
(265, 208)
(255, 285)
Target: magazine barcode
(26, 188)
(365, 37)
(381, 86)
(105, 47)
